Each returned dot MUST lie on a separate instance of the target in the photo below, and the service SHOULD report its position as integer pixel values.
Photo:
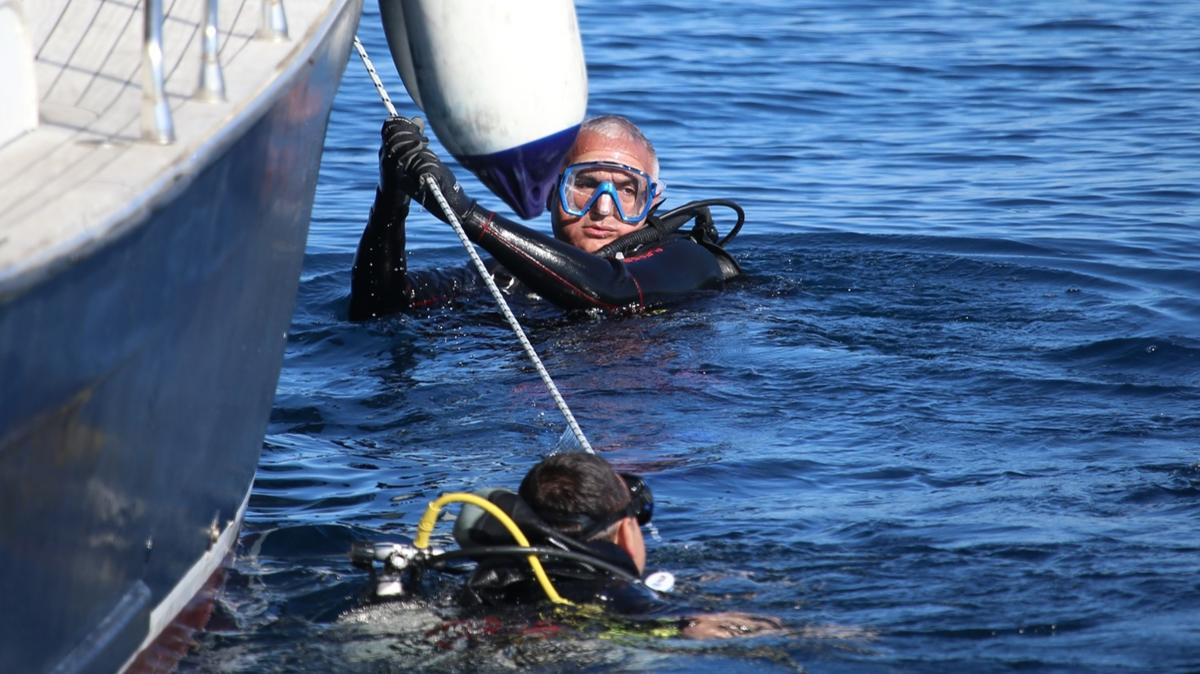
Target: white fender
(503, 83)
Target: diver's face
(600, 225)
(629, 537)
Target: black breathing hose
(522, 551)
(659, 226)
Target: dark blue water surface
(949, 422)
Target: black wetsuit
(572, 279)
(580, 576)
(510, 582)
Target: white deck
(75, 180)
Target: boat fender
(503, 85)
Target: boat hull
(137, 383)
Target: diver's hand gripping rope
(432, 186)
(425, 529)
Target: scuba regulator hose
(425, 529)
(519, 551)
(661, 225)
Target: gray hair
(618, 127)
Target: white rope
(431, 184)
(383, 94)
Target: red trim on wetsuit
(486, 225)
(648, 254)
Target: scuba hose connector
(396, 557)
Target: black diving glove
(405, 157)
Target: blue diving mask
(632, 191)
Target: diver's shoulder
(725, 260)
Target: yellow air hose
(425, 529)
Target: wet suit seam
(641, 298)
(429, 302)
(413, 303)
(648, 254)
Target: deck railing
(212, 80)
(157, 124)
(274, 25)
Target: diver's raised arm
(379, 278)
(380, 282)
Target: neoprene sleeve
(380, 282)
(573, 279)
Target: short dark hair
(564, 486)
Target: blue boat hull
(136, 385)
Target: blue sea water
(949, 421)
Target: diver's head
(608, 185)
(580, 495)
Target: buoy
(502, 83)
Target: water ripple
(952, 405)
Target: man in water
(607, 190)
(582, 498)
